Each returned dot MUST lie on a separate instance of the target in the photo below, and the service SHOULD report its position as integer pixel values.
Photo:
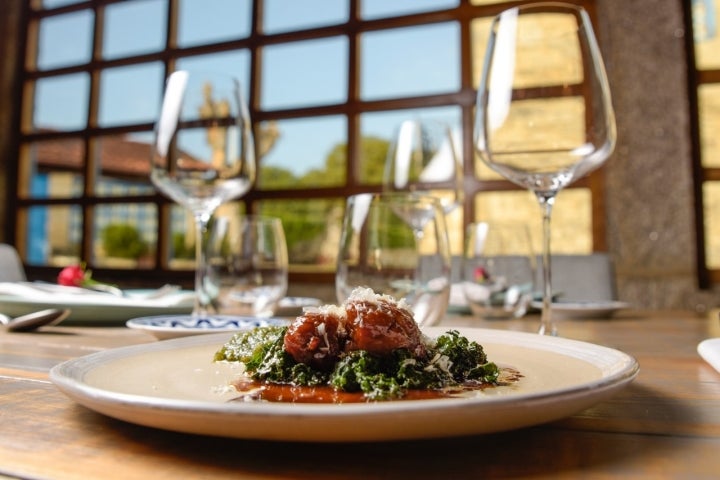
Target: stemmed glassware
(382, 250)
(544, 116)
(203, 154)
(425, 157)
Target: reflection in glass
(235, 63)
(378, 128)
(303, 153)
(130, 94)
(423, 60)
(312, 230)
(310, 72)
(284, 16)
(53, 169)
(53, 235)
(61, 102)
(125, 235)
(146, 16)
(229, 19)
(65, 40)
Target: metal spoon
(31, 321)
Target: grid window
(326, 86)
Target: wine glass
(203, 154)
(381, 250)
(425, 157)
(248, 262)
(544, 116)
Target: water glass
(249, 264)
(498, 269)
(396, 244)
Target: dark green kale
(467, 360)
(451, 361)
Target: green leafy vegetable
(451, 360)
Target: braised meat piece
(315, 338)
(380, 326)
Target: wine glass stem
(203, 299)
(547, 325)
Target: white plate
(99, 307)
(163, 327)
(174, 385)
(584, 310)
(293, 306)
(709, 350)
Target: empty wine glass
(203, 154)
(425, 157)
(544, 116)
(381, 250)
(248, 263)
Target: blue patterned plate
(173, 326)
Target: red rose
(72, 276)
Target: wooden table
(664, 425)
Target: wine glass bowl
(203, 153)
(408, 259)
(544, 116)
(425, 157)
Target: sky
(420, 62)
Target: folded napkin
(63, 295)
(710, 350)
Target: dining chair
(11, 267)
(582, 278)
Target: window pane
(383, 8)
(571, 221)
(284, 15)
(312, 230)
(235, 63)
(123, 165)
(378, 128)
(706, 19)
(709, 111)
(58, 3)
(53, 235)
(125, 235)
(61, 102)
(65, 40)
(311, 72)
(134, 27)
(711, 205)
(420, 61)
(54, 169)
(182, 239)
(303, 153)
(130, 94)
(201, 21)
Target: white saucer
(173, 326)
(584, 310)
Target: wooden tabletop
(666, 424)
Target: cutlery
(31, 321)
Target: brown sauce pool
(251, 391)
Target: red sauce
(274, 392)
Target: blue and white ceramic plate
(173, 326)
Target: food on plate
(369, 348)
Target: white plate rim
(278, 419)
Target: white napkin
(60, 294)
(710, 350)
